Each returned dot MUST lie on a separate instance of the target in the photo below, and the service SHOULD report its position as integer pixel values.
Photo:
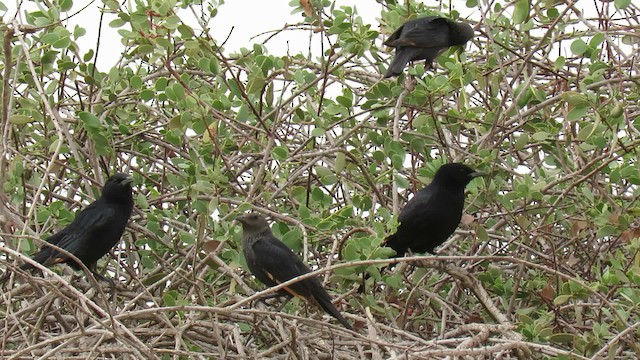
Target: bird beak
(477, 174)
(241, 219)
(127, 180)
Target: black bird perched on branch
(273, 263)
(425, 38)
(433, 214)
(94, 231)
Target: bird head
(456, 174)
(253, 222)
(461, 32)
(118, 186)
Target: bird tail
(399, 62)
(324, 301)
(391, 242)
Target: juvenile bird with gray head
(273, 263)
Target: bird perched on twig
(433, 214)
(94, 231)
(273, 263)
(425, 38)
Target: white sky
(247, 18)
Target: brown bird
(273, 263)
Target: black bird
(94, 231)
(273, 263)
(433, 214)
(425, 38)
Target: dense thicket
(544, 264)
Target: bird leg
(285, 302)
(272, 296)
(99, 277)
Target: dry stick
(83, 267)
(396, 137)
(511, 123)
(309, 85)
(475, 353)
(257, 181)
(518, 115)
(6, 105)
(544, 348)
(459, 273)
(84, 301)
(372, 334)
(614, 340)
(421, 258)
(228, 271)
(474, 341)
(58, 127)
(474, 285)
(70, 336)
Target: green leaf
(540, 136)
(116, 23)
(147, 94)
(136, 82)
(579, 47)
(562, 299)
(621, 4)
(575, 98)
(50, 38)
(577, 113)
(152, 279)
(62, 43)
(596, 40)
(521, 11)
(20, 119)
(340, 162)
(280, 152)
(562, 338)
(79, 32)
(111, 4)
(141, 201)
(89, 120)
(178, 90)
(169, 298)
(255, 84)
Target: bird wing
(77, 235)
(280, 264)
(423, 33)
(419, 212)
(418, 208)
(394, 37)
(275, 262)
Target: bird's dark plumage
(95, 230)
(433, 214)
(425, 38)
(273, 263)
